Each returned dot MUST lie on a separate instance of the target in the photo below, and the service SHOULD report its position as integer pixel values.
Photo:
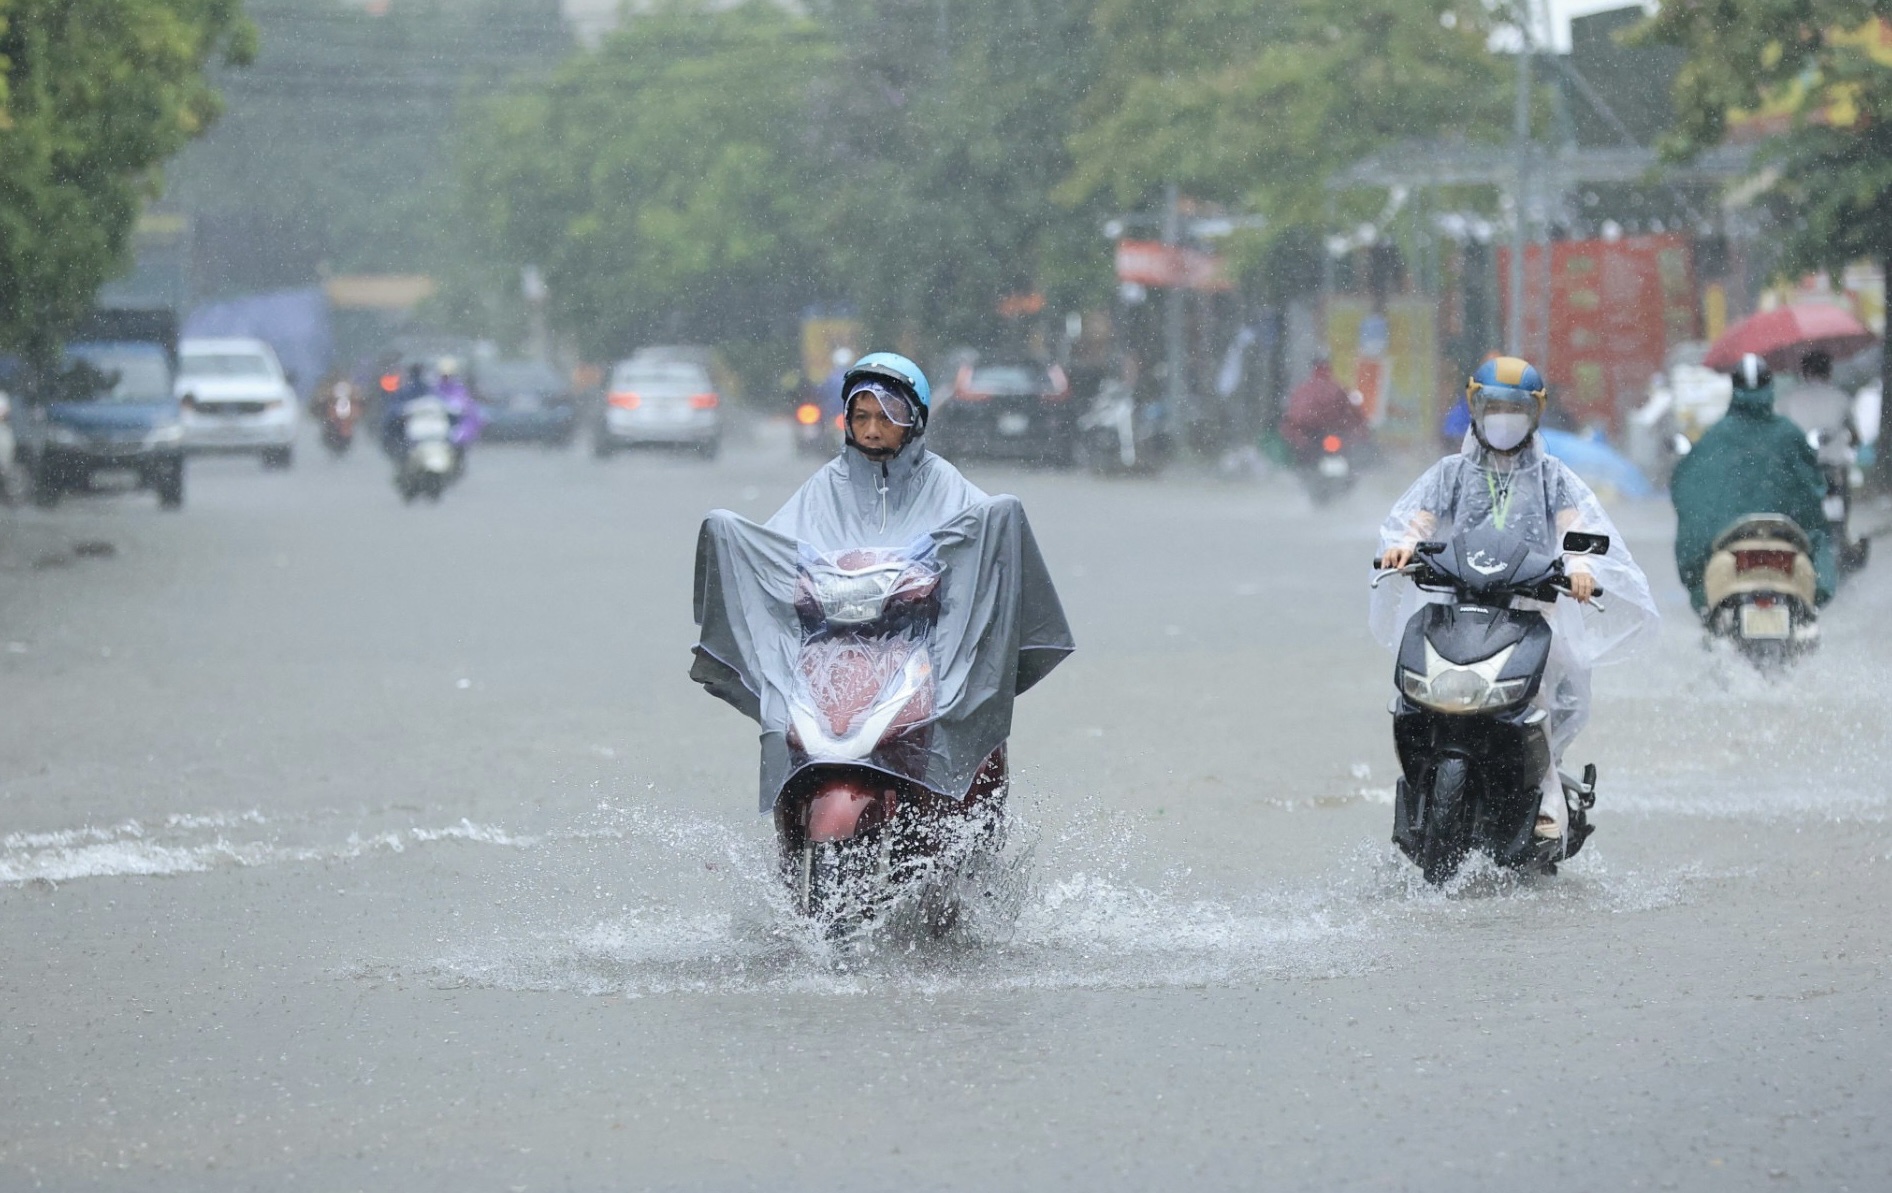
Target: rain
(943, 594)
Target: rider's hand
(1395, 558)
(1582, 585)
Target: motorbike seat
(1763, 526)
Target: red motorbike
(854, 823)
(339, 408)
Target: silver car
(668, 402)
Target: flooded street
(347, 845)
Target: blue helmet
(895, 370)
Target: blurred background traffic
(1117, 234)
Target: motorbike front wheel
(1443, 819)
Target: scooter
(340, 412)
(1760, 586)
(1328, 469)
(1472, 746)
(851, 829)
(1118, 436)
(430, 459)
(1837, 465)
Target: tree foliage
(1258, 102)
(1830, 169)
(97, 94)
(659, 180)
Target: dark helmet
(1752, 373)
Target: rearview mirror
(1576, 542)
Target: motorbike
(429, 460)
(851, 830)
(1119, 436)
(1472, 746)
(1838, 466)
(1760, 586)
(1328, 469)
(817, 433)
(340, 411)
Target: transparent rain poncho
(999, 627)
(1536, 497)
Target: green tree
(1828, 180)
(96, 95)
(1258, 102)
(661, 181)
(944, 136)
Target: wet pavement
(352, 846)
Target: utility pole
(1521, 135)
(1173, 392)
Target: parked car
(1012, 409)
(236, 399)
(110, 418)
(10, 486)
(669, 402)
(525, 400)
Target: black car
(1013, 410)
(525, 400)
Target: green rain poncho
(1753, 461)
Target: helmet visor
(894, 405)
(1504, 399)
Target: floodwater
(345, 845)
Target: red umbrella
(1785, 334)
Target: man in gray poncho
(998, 627)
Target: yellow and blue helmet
(1505, 381)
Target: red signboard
(1615, 308)
(1153, 263)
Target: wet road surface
(352, 846)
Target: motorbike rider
(1319, 407)
(884, 489)
(413, 385)
(884, 475)
(1502, 478)
(461, 406)
(1821, 408)
(1753, 461)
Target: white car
(672, 402)
(235, 398)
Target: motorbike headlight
(165, 435)
(64, 436)
(1454, 688)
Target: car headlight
(1451, 688)
(64, 436)
(165, 435)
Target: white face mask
(1504, 432)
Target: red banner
(1615, 309)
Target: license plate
(1772, 622)
(434, 456)
(114, 478)
(1014, 424)
(1834, 508)
(1333, 466)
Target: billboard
(1614, 309)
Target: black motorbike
(1472, 747)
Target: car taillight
(624, 399)
(1763, 561)
(703, 401)
(1331, 444)
(390, 382)
(808, 414)
(840, 422)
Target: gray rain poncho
(999, 630)
(1538, 498)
